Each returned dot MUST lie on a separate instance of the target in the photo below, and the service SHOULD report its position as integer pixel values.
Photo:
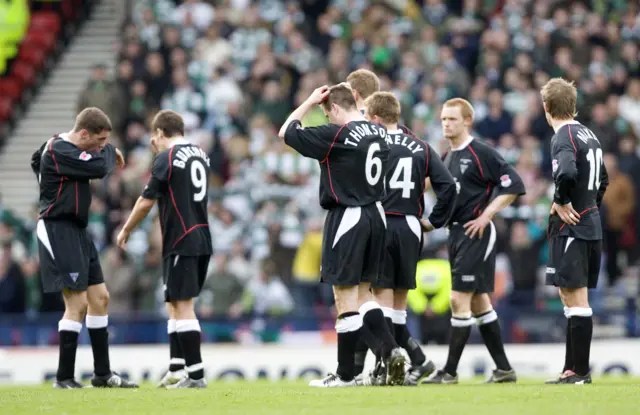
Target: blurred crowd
(236, 68)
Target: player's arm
(74, 163)
(312, 142)
(443, 185)
(36, 159)
(565, 170)
(502, 176)
(604, 183)
(155, 188)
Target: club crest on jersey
(84, 156)
(505, 180)
(464, 165)
(554, 165)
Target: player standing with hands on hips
(479, 171)
(353, 155)
(69, 261)
(575, 230)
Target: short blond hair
(466, 109)
(365, 82)
(559, 97)
(384, 105)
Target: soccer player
(479, 171)
(69, 261)
(411, 163)
(575, 230)
(364, 83)
(353, 154)
(179, 182)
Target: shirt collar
(559, 126)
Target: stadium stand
(236, 68)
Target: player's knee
(460, 303)
(75, 305)
(183, 309)
(578, 297)
(99, 300)
(480, 304)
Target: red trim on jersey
(394, 213)
(170, 165)
(476, 209)
(326, 160)
(173, 199)
(187, 232)
(426, 172)
(473, 152)
(580, 214)
(76, 198)
(61, 178)
(575, 149)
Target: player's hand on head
(568, 214)
(319, 95)
(119, 158)
(123, 238)
(476, 226)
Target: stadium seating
(37, 51)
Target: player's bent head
(166, 125)
(364, 83)
(559, 99)
(93, 126)
(456, 117)
(339, 102)
(383, 108)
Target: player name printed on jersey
(182, 156)
(585, 135)
(359, 131)
(405, 141)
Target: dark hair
(93, 120)
(169, 122)
(341, 95)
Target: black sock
(361, 350)
(460, 330)
(176, 361)
(374, 320)
(568, 352)
(348, 327)
(97, 326)
(404, 339)
(189, 336)
(68, 331)
(581, 332)
(490, 330)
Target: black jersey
(580, 178)
(353, 160)
(480, 172)
(411, 161)
(180, 183)
(64, 172)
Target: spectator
(103, 93)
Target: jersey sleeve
(501, 174)
(312, 142)
(159, 181)
(36, 159)
(443, 186)
(565, 170)
(72, 162)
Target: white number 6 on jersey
(372, 162)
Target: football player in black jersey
(353, 154)
(480, 172)
(69, 261)
(575, 230)
(412, 163)
(179, 183)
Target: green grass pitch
(614, 395)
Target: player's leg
(176, 370)
(366, 341)
(420, 366)
(98, 320)
(574, 266)
(75, 304)
(184, 283)
(489, 326)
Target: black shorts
(184, 276)
(573, 263)
(68, 257)
(473, 261)
(403, 245)
(353, 245)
